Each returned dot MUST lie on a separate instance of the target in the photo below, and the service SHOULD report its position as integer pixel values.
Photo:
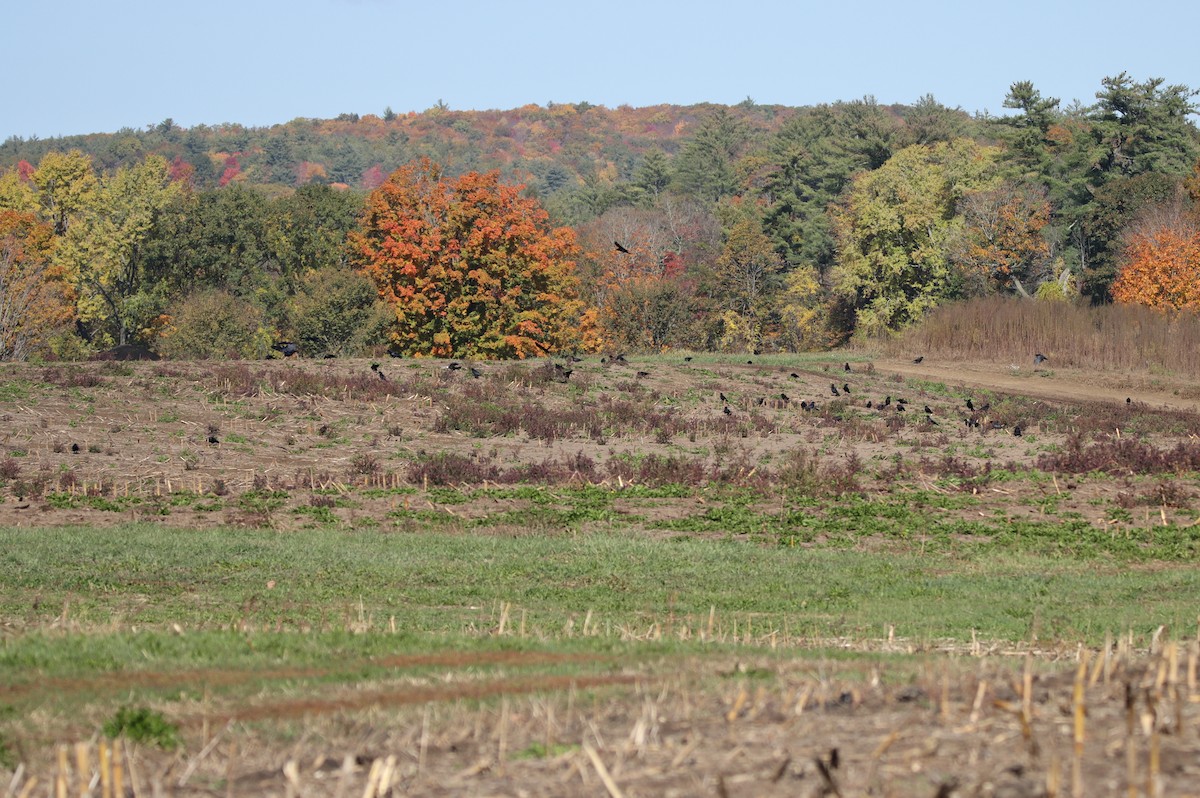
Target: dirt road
(1053, 384)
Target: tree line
(750, 228)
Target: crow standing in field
(846, 368)
(970, 405)
(687, 359)
(620, 248)
(846, 387)
(727, 411)
(833, 389)
(375, 368)
(476, 373)
(454, 366)
(794, 376)
(918, 359)
(786, 399)
(641, 375)
(723, 399)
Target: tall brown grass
(1001, 329)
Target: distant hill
(547, 148)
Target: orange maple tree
(470, 266)
(1162, 265)
(34, 297)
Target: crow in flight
(1039, 359)
(620, 248)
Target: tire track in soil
(230, 678)
(299, 707)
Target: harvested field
(338, 577)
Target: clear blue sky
(84, 66)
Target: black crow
(887, 401)
(213, 440)
(454, 366)
(643, 374)
(727, 411)
(928, 412)
(900, 408)
(846, 387)
(870, 404)
(918, 359)
(620, 248)
(970, 405)
(620, 358)
(1017, 431)
(687, 359)
(723, 399)
(1128, 400)
(1039, 359)
(785, 398)
(833, 389)
(794, 376)
(846, 367)
(75, 448)
(476, 373)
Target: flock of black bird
(561, 373)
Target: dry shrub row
(1122, 456)
(1012, 329)
(651, 470)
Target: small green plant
(143, 725)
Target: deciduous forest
(572, 227)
